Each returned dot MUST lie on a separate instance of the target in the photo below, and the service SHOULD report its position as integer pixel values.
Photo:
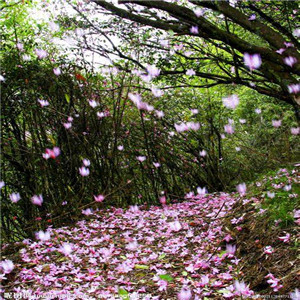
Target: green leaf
(162, 256)
(184, 273)
(142, 267)
(123, 294)
(67, 98)
(166, 277)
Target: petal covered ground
(178, 251)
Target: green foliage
(281, 195)
(123, 294)
(166, 277)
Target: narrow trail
(151, 254)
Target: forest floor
(217, 246)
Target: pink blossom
(231, 101)
(241, 189)
(164, 43)
(194, 111)
(120, 147)
(43, 102)
(252, 17)
(14, 197)
(184, 294)
(187, 126)
(289, 44)
(190, 72)
(163, 284)
(276, 123)
(194, 30)
(295, 130)
(242, 288)
(37, 200)
(258, 111)
(84, 171)
(41, 53)
(100, 115)
(93, 103)
(204, 280)
(163, 200)
(180, 127)
(152, 71)
(157, 92)
(146, 78)
(294, 88)
(66, 248)
(26, 57)
(46, 156)
(175, 226)
(99, 198)
(274, 282)
(271, 194)
(230, 249)
(2, 184)
(20, 46)
(296, 294)
(67, 125)
(286, 238)
(141, 158)
(199, 12)
(297, 214)
(193, 125)
(228, 237)
(252, 61)
(160, 114)
(86, 162)
(51, 153)
(7, 266)
(201, 191)
(268, 250)
(178, 47)
(203, 153)
(124, 268)
(132, 246)
(57, 71)
(156, 164)
(55, 151)
(145, 106)
(296, 32)
(43, 236)
(87, 211)
(281, 50)
(188, 53)
(229, 129)
(290, 61)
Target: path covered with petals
(155, 253)
(176, 251)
